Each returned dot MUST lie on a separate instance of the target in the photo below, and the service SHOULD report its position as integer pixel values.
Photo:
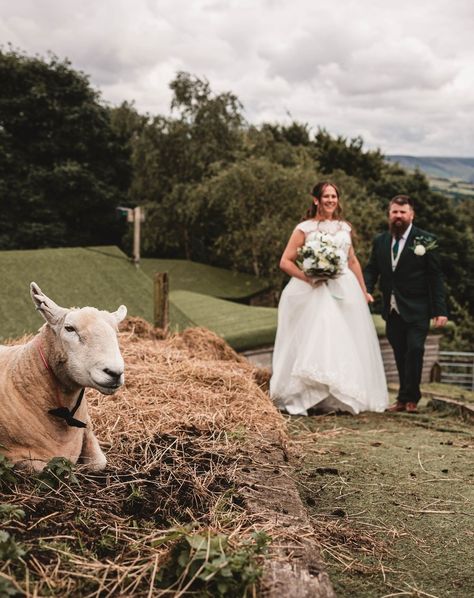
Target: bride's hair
(317, 192)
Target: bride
(326, 354)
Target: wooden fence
(457, 368)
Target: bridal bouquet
(320, 257)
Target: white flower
(323, 263)
(420, 250)
(320, 256)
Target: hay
(173, 436)
(192, 380)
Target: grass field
(242, 326)
(452, 188)
(208, 280)
(99, 276)
(105, 278)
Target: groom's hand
(440, 321)
(318, 280)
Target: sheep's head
(87, 340)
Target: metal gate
(457, 368)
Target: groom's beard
(398, 228)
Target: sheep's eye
(69, 329)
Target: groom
(408, 264)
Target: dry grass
(173, 436)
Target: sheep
(42, 382)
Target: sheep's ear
(51, 312)
(120, 314)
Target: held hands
(317, 281)
(369, 297)
(439, 321)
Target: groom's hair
(402, 200)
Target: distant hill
(451, 177)
(460, 169)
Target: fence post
(472, 377)
(136, 234)
(161, 300)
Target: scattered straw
(173, 436)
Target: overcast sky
(400, 74)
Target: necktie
(395, 248)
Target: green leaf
(9, 511)
(197, 542)
(9, 549)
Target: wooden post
(136, 235)
(161, 300)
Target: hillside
(104, 277)
(100, 276)
(208, 280)
(460, 169)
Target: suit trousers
(408, 343)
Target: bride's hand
(316, 282)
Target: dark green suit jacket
(416, 282)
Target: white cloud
(400, 75)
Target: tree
(205, 132)
(222, 192)
(214, 120)
(245, 213)
(340, 154)
(63, 169)
(187, 221)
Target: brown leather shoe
(398, 406)
(411, 408)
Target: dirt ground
(206, 494)
(197, 497)
(391, 499)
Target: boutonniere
(423, 244)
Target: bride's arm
(354, 265)
(287, 262)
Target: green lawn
(208, 280)
(99, 276)
(104, 277)
(242, 326)
(198, 296)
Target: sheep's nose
(115, 375)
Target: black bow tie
(68, 415)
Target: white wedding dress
(326, 352)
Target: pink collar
(63, 412)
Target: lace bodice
(339, 230)
(331, 227)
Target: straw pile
(192, 380)
(173, 437)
